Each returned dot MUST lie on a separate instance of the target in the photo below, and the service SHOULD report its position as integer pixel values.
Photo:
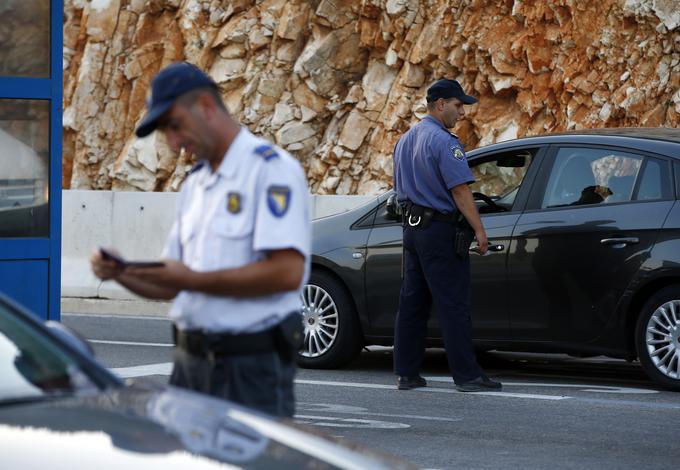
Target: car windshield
(33, 365)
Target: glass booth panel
(25, 38)
(24, 168)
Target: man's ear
(206, 104)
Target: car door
(499, 177)
(594, 214)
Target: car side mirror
(69, 336)
(393, 208)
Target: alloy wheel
(662, 338)
(320, 319)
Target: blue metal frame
(30, 250)
(56, 111)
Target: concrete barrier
(136, 223)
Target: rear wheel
(657, 337)
(332, 331)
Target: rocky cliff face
(336, 82)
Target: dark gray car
(60, 409)
(587, 229)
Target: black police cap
(446, 89)
(168, 85)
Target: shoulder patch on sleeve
(457, 153)
(278, 200)
(266, 152)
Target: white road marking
(130, 343)
(125, 317)
(431, 390)
(335, 422)
(582, 387)
(357, 410)
(163, 368)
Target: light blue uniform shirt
(428, 162)
(255, 202)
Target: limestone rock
(355, 130)
(336, 82)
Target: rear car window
(655, 182)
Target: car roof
(661, 140)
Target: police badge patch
(457, 153)
(278, 199)
(233, 202)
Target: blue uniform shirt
(428, 162)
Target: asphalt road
(554, 411)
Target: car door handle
(494, 248)
(620, 242)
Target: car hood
(147, 426)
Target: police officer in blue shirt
(238, 254)
(431, 177)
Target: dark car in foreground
(587, 231)
(60, 409)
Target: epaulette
(266, 152)
(197, 167)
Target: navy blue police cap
(168, 85)
(446, 89)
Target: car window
(382, 217)
(586, 176)
(501, 176)
(32, 364)
(655, 182)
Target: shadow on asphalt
(521, 366)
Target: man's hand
(465, 203)
(173, 275)
(482, 242)
(102, 268)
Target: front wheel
(332, 331)
(657, 337)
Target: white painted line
(163, 368)
(432, 390)
(358, 410)
(335, 422)
(582, 387)
(130, 343)
(346, 384)
(124, 317)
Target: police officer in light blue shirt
(238, 254)
(431, 177)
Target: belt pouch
(288, 335)
(419, 216)
(463, 238)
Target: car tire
(332, 335)
(657, 337)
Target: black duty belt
(199, 343)
(415, 214)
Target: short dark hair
(190, 97)
(431, 102)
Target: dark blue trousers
(433, 273)
(260, 381)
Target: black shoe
(480, 384)
(407, 383)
